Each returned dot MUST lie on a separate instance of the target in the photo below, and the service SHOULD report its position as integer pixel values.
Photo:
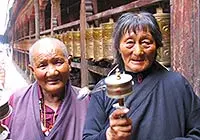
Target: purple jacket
(24, 123)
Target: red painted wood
(185, 43)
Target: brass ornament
(119, 85)
(68, 40)
(98, 43)
(76, 44)
(107, 39)
(89, 44)
(163, 20)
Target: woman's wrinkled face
(50, 68)
(138, 50)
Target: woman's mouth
(53, 81)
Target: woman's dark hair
(128, 22)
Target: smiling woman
(48, 108)
(138, 50)
(159, 96)
(50, 65)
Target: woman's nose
(52, 71)
(138, 50)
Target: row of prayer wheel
(99, 40)
(164, 52)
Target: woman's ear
(31, 68)
(69, 59)
(69, 62)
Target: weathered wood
(84, 67)
(123, 8)
(185, 43)
(107, 13)
(95, 8)
(37, 19)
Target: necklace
(46, 130)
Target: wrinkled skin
(137, 50)
(51, 68)
(120, 127)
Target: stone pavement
(14, 78)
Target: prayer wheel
(98, 43)
(163, 20)
(5, 111)
(107, 39)
(68, 40)
(89, 44)
(76, 44)
(119, 86)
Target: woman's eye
(146, 43)
(129, 44)
(42, 66)
(59, 62)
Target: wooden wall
(185, 39)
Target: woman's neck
(52, 100)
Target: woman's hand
(120, 126)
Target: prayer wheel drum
(163, 20)
(5, 109)
(118, 85)
(68, 40)
(89, 44)
(107, 39)
(98, 43)
(76, 44)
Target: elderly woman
(48, 108)
(163, 105)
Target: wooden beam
(84, 66)
(37, 19)
(123, 8)
(95, 6)
(107, 13)
(185, 42)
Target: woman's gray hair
(133, 22)
(54, 41)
